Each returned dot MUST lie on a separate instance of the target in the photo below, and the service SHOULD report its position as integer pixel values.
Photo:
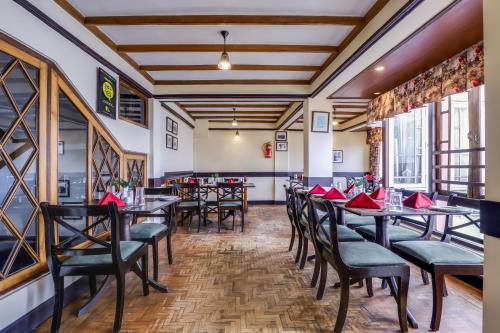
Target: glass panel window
(132, 105)
(408, 149)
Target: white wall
(491, 288)
(356, 151)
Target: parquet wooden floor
(234, 282)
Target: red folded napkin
(362, 200)
(109, 197)
(334, 194)
(192, 181)
(378, 194)
(349, 188)
(317, 189)
(231, 180)
(417, 200)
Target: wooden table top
(213, 185)
(153, 204)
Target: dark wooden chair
(290, 212)
(98, 258)
(153, 233)
(230, 198)
(355, 261)
(191, 203)
(441, 258)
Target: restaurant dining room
(249, 166)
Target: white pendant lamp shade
(224, 63)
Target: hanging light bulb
(234, 123)
(237, 134)
(224, 63)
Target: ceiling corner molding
(375, 37)
(290, 116)
(176, 114)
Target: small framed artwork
(280, 136)
(169, 125)
(63, 188)
(175, 127)
(338, 156)
(60, 148)
(281, 146)
(320, 122)
(169, 141)
(175, 143)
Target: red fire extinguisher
(268, 149)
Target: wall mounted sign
(280, 136)
(320, 121)
(281, 146)
(106, 94)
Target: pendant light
(235, 122)
(224, 63)
(237, 134)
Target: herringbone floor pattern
(234, 282)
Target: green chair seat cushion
(146, 230)
(191, 204)
(396, 233)
(367, 254)
(127, 248)
(230, 203)
(344, 234)
(356, 220)
(435, 252)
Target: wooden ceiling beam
(271, 113)
(229, 48)
(230, 117)
(233, 68)
(224, 19)
(187, 106)
(346, 113)
(214, 82)
(244, 121)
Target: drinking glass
(340, 186)
(139, 196)
(397, 201)
(387, 199)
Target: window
(133, 105)
(408, 149)
(459, 155)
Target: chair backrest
(189, 191)
(291, 208)
(471, 221)
(429, 221)
(301, 207)
(322, 212)
(57, 216)
(230, 192)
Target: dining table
(128, 213)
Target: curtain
(374, 137)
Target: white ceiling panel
(207, 58)
(210, 34)
(241, 7)
(230, 75)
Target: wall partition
(53, 147)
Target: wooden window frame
(141, 96)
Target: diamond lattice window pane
(32, 71)
(7, 243)
(5, 60)
(30, 177)
(19, 147)
(30, 118)
(20, 210)
(31, 235)
(23, 260)
(7, 113)
(6, 180)
(20, 87)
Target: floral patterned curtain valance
(455, 75)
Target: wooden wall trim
(176, 114)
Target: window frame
(144, 98)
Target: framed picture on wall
(169, 125)
(175, 143)
(338, 156)
(175, 127)
(280, 135)
(320, 121)
(169, 141)
(281, 146)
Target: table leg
(340, 216)
(94, 298)
(382, 238)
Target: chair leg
(322, 278)
(369, 287)
(304, 253)
(205, 213)
(317, 269)
(242, 220)
(292, 239)
(92, 285)
(403, 284)
(120, 299)
(169, 248)
(234, 214)
(437, 300)
(299, 249)
(218, 220)
(425, 277)
(58, 304)
(190, 220)
(155, 259)
(445, 290)
(344, 304)
(145, 283)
